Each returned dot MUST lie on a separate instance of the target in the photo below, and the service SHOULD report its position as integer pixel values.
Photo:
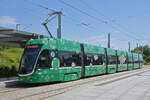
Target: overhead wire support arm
(48, 19)
(58, 13)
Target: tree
(146, 52)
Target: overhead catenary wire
(92, 16)
(129, 34)
(97, 11)
(98, 19)
(90, 27)
(110, 20)
(69, 18)
(28, 26)
(34, 12)
(82, 23)
(83, 12)
(39, 5)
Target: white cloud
(100, 39)
(117, 41)
(7, 20)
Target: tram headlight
(21, 79)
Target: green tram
(53, 59)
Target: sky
(86, 21)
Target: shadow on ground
(17, 84)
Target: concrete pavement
(136, 87)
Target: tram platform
(133, 87)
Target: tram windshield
(29, 58)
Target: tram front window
(29, 58)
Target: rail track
(49, 90)
(13, 86)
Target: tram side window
(112, 60)
(122, 60)
(68, 59)
(141, 59)
(126, 60)
(94, 59)
(136, 60)
(130, 61)
(44, 60)
(118, 62)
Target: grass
(9, 61)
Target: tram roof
(16, 38)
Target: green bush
(10, 58)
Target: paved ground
(127, 85)
(136, 87)
(8, 79)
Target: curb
(8, 79)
